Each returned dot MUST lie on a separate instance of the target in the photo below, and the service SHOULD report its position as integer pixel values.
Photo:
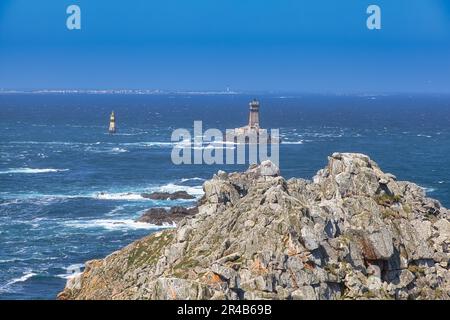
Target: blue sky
(250, 45)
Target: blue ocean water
(70, 192)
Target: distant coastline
(118, 91)
(160, 92)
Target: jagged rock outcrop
(167, 195)
(353, 232)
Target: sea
(70, 192)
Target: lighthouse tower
(112, 123)
(253, 122)
(252, 129)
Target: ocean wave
(128, 196)
(324, 135)
(207, 147)
(105, 150)
(127, 134)
(9, 202)
(150, 144)
(118, 150)
(46, 199)
(115, 210)
(114, 224)
(196, 191)
(58, 143)
(423, 135)
(31, 170)
(428, 189)
(72, 271)
(205, 144)
(36, 199)
(32, 257)
(13, 260)
(25, 277)
(292, 142)
(191, 179)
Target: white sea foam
(74, 267)
(428, 189)
(128, 134)
(31, 170)
(115, 210)
(182, 144)
(72, 271)
(25, 277)
(127, 196)
(192, 179)
(118, 150)
(12, 260)
(36, 199)
(10, 202)
(171, 187)
(210, 146)
(196, 191)
(45, 199)
(150, 144)
(114, 224)
(324, 135)
(292, 142)
(105, 150)
(221, 142)
(65, 143)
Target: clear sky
(248, 45)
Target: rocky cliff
(353, 232)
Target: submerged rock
(161, 216)
(167, 196)
(354, 232)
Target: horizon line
(212, 92)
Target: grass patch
(417, 270)
(181, 269)
(387, 199)
(389, 214)
(148, 251)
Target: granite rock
(353, 232)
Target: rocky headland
(353, 232)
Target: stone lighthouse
(253, 129)
(112, 123)
(253, 122)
